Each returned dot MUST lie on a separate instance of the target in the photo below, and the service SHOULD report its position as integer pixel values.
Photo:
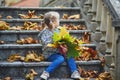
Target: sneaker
(75, 75)
(45, 75)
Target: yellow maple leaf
(52, 45)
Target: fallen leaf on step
(7, 78)
(4, 25)
(2, 42)
(31, 75)
(76, 16)
(9, 17)
(14, 57)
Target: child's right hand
(52, 45)
(63, 49)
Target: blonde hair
(49, 18)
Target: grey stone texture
(17, 70)
(20, 69)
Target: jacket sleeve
(44, 37)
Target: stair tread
(34, 19)
(39, 20)
(58, 79)
(13, 66)
(13, 46)
(35, 31)
(45, 63)
(42, 8)
(18, 31)
(33, 45)
(38, 44)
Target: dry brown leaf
(86, 37)
(23, 16)
(31, 14)
(105, 76)
(7, 78)
(14, 57)
(76, 16)
(74, 27)
(65, 16)
(16, 28)
(32, 56)
(31, 75)
(102, 59)
(2, 42)
(28, 40)
(4, 25)
(9, 17)
(0, 16)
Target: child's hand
(52, 45)
(63, 48)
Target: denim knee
(60, 59)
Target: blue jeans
(57, 59)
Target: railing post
(87, 5)
(98, 20)
(109, 36)
(103, 29)
(93, 23)
(112, 66)
(117, 53)
(89, 14)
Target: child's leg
(71, 64)
(74, 73)
(57, 60)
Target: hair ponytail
(43, 25)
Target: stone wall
(103, 17)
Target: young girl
(51, 22)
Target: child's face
(56, 23)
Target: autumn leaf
(56, 37)
(63, 37)
(52, 45)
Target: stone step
(11, 36)
(49, 79)
(14, 11)
(7, 49)
(18, 70)
(59, 79)
(20, 22)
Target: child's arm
(45, 38)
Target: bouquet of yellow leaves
(66, 43)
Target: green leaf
(56, 37)
(72, 52)
(65, 38)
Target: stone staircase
(17, 70)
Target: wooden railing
(103, 18)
